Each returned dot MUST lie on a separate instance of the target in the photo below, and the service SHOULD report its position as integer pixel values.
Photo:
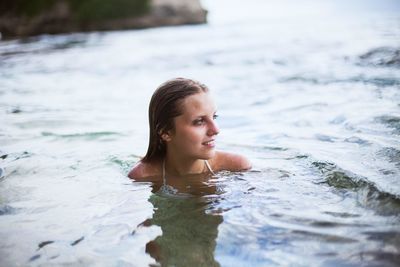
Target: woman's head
(166, 104)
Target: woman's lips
(210, 143)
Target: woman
(182, 136)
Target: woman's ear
(165, 137)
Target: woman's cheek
(195, 134)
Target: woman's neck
(175, 165)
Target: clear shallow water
(309, 92)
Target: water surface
(309, 92)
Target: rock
(176, 12)
(61, 17)
(52, 20)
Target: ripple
(316, 223)
(16, 156)
(368, 194)
(41, 44)
(7, 210)
(381, 56)
(77, 241)
(124, 164)
(322, 237)
(390, 121)
(392, 237)
(379, 258)
(338, 120)
(338, 178)
(300, 79)
(325, 138)
(34, 257)
(377, 81)
(357, 140)
(44, 243)
(392, 154)
(342, 214)
(85, 136)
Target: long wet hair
(165, 105)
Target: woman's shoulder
(229, 162)
(144, 171)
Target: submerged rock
(66, 16)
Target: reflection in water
(189, 229)
(188, 232)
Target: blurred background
(308, 90)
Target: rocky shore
(60, 18)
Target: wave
(123, 162)
(377, 81)
(86, 136)
(381, 56)
(367, 193)
(391, 122)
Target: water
(308, 91)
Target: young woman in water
(183, 133)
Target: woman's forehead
(197, 104)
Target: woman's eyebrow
(203, 115)
(206, 115)
(200, 116)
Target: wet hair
(165, 105)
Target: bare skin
(152, 172)
(189, 144)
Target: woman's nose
(213, 129)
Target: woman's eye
(215, 116)
(198, 122)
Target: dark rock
(66, 16)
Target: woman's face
(195, 130)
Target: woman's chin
(210, 154)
